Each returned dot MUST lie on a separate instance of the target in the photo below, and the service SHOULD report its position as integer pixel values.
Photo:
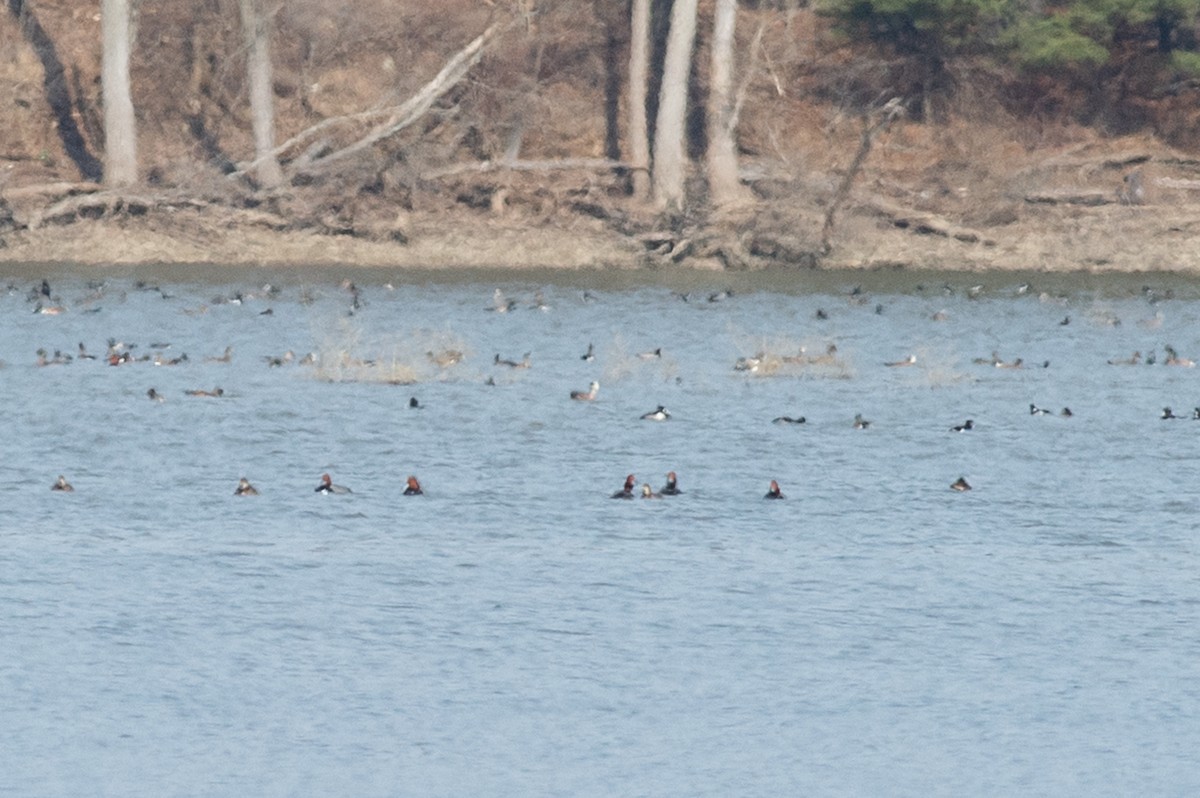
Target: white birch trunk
(639, 73)
(256, 33)
(724, 185)
(669, 153)
(120, 130)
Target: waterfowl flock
(825, 359)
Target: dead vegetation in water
(344, 355)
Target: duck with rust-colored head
(327, 486)
(413, 487)
(671, 488)
(774, 492)
(627, 491)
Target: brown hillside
(1006, 178)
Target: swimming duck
(213, 394)
(225, 358)
(445, 358)
(788, 420)
(62, 485)
(244, 488)
(660, 414)
(648, 492)
(413, 487)
(414, 404)
(1066, 412)
(627, 491)
(911, 360)
(860, 422)
(657, 353)
(961, 485)
(1132, 360)
(512, 364)
(155, 396)
(328, 487)
(1034, 410)
(671, 489)
(589, 355)
(83, 353)
(587, 396)
(774, 492)
(969, 424)
(1167, 414)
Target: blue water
(517, 632)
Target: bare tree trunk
(120, 131)
(669, 152)
(256, 32)
(723, 182)
(639, 74)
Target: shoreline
(1109, 240)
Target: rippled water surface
(515, 631)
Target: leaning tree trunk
(669, 153)
(639, 73)
(120, 130)
(722, 162)
(257, 34)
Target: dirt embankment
(979, 189)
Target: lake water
(515, 631)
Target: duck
(1012, 364)
(860, 422)
(155, 396)
(84, 354)
(587, 396)
(1173, 358)
(280, 360)
(500, 304)
(589, 355)
(61, 484)
(671, 488)
(244, 488)
(788, 420)
(961, 485)
(224, 358)
(413, 487)
(1034, 410)
(967, 425)
(215, 393)
(911, 360)
(657, 353)
(774, 492)
(414, 404)
(648, 492)
(627, 491)
(328, 487)
(660, 414)
(1167, 414)
(1066, 413)
(512, 364)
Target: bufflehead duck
(1034, 410)
(660, 414)
(969, 424)
(648, 492)
(244, 488)
(327, 486)
(961, 485)
(412, 487)
(774, 492)
(788, 420)
(671, 489)
(62, 485)
(627, 491)
(588, 395)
